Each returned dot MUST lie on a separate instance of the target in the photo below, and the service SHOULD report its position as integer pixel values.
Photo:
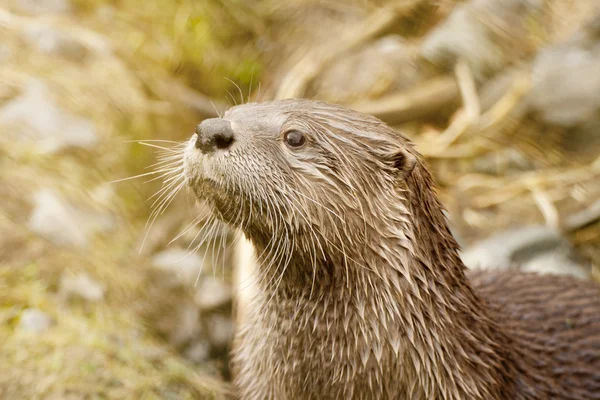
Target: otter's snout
(214, 134)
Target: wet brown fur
(363, 294)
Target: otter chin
(362, 294)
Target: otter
(362, 294)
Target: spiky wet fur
(362, 293)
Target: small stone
(219, 330)
(54, 42)
(56, 221)
(533, 249)
(97, 221)
(198, 352)
(106, 13)
(557, 263)
(187, 326)
(185, 264)
(34, 320)
(386, 65)
(103, 194)
(65, 224)
(5, 54)
(82, 286)
(38, 7)
(504, 162)
(61, 394)
(35, 117)
(153, 353)
(212, 293)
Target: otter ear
(403, 161)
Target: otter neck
(408, 285)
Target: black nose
(213, 134)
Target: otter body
(362, 294)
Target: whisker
(169, 168)
(157, 178)
(286, 264)
(317, 203)
(239, 89)
(201, 231)
(257, 97)
(189, 253)
(209, 234)
(165, 198)
(133, 177)
(159, 147)
(250, 88)
(153, 140)
(171, 176)
(185, 230)
(161, 207)
(232, 99)
(163, 194)
(215, 108)
(166, 163)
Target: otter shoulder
(554, 323)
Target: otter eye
(294, 138)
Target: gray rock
(497, 87)
(484, 33)
(34, 321)
(383, 66)
(57, 221)
(106, 13)
(219, 330)
(558, 262)
(212, 293)
(5, 53)
(505, 161)
(566, 81)
(54, 42)
(37, 7)
(82, 286)
(103, 195)
(533, 249)
(187, 327)
(65, 224)
(197, 352)
(35, 117)
(184, 264)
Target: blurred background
(501, 96)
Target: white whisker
(132, 177)
(159, 147)
(239, 89)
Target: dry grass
(110, 74)
(149, 62)
(91, 351)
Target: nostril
(223, 141)
(214, 134)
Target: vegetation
(121, 71)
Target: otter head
(316, 176)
